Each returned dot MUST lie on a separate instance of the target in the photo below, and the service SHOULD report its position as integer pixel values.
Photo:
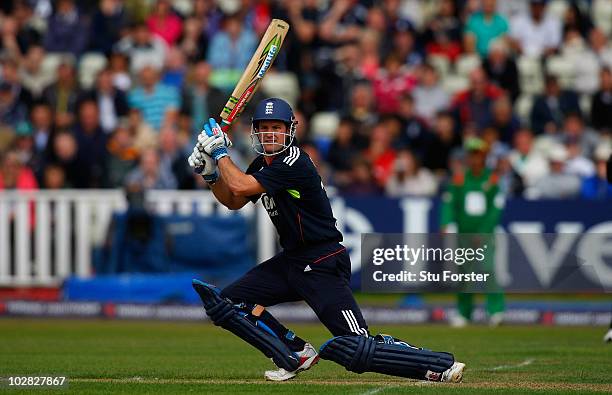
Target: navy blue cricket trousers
(325, 287)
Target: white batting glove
(204, 165)
(213, 140)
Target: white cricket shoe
(454, 374)
(608, 336)
(308, 357)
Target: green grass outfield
(102, 357)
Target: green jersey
(473, 203)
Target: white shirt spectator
(586, 71)
(531, 167)
(555, 186)
(108, 114)
(429, 100)
(577, 163)
(122, 81)
(423, 183)
(585, 64)
(510, 9)
(534, 38)
(559, 184)
(601, 48)
(580, 166)
(153, 54)
(604, 56)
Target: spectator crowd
(112, 93)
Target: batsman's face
(272, 135)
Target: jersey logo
(269, 205)
(307, 268)
(294, 154)
(295, 193)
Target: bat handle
(225, 127)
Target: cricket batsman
(313, 266)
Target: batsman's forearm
(225, 196)
(233, 177)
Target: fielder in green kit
(473, 204)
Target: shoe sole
(283, 378)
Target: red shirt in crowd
(25, 180)
(389, 88)
(168, 28)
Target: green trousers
(494, 296)
(495, 303)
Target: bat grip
(225, 127)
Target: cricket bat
(256, 69)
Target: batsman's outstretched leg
(388, 355)
(260, 329)
(224, 314)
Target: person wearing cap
(559, 184)
(25, 147)
(473, 204)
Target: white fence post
(43, 240)
(5, 251)
(83, 238)
(63, 235)
(22, 241)
(63, 226)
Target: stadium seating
(281, 84)
(601, 12)
(531, 80)
(466, 63)
(324, 124)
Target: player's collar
(281, 155)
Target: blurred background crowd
(112, 93)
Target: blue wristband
(219, 153)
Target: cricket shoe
(308, 357)
(454, 374)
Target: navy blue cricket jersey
(295, 199)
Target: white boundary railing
(46, 236)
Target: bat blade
(261, 61)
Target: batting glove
(213, 140)
(204, 165)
